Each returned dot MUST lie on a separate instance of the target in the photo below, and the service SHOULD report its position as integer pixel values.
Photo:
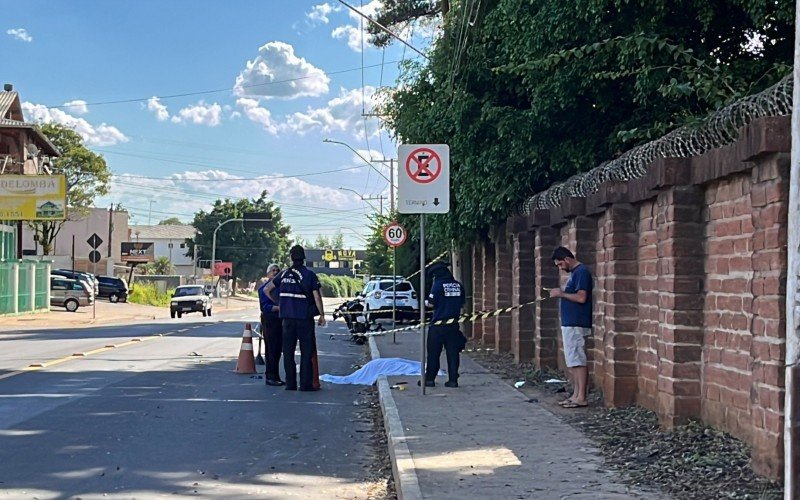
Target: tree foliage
(171, 221)
(397, 14)
(87, 175)
(529, 92)
(161, 266)
(251, 250)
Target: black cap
(297, 253)
(439, 268)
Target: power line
(227, 89)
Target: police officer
(299, 300)
(447, 299)
(272, 329)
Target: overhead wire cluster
(719, 129)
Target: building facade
(169, 240)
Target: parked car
(69, 293)
(378, 295)
(77, 275)
(190, 298)
(116, 289)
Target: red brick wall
(647, 344)
(523, 291)
(690, 272)
(504, 262)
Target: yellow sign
(33, 197)
(328, 255)
(346, 254)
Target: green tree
(322, 242)
(529, 92)
(172, 221)
(337, 241)
(161, 266)
(399, 14)
(379, 255)
(87, 175)
(250, 250)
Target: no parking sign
(423, 185)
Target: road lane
(169, 417)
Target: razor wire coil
(719, 129)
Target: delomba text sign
(423, 179)
(137, 252)
(33, 197)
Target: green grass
(339, 286)
(148, 294)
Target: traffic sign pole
(94, 241)
(422, 333)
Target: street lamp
(391, 182)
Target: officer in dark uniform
(447, 299)
(299, 300)
(272, 329)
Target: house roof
(164, 232)
(11, 117)
(10, 106)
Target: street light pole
(359, 155)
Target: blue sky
(174, 153)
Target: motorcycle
(352, 311)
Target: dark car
(77, 275)
(116, 289)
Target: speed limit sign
(394, 234)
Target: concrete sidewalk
(483, 439)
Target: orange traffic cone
(247, 362)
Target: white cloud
(77, 107)
(278, 72)
(100, 135)
(129, 190)
(160, 110)
(342, 114)
(352, 33)
(257, 114)
(20, 34)
(319, 13)
(199, 114)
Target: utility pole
(791, 430)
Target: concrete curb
(405, 475)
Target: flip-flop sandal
(575, 405)
(565, 402)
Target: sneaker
(451, 384)
(276, 383)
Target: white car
(379, 293)
(189, 298)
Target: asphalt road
(167, 416)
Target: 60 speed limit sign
(394, 234)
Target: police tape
(464, 318)
(429, 264)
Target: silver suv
(380, 292)
(69, 294)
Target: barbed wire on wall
(719, 129)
